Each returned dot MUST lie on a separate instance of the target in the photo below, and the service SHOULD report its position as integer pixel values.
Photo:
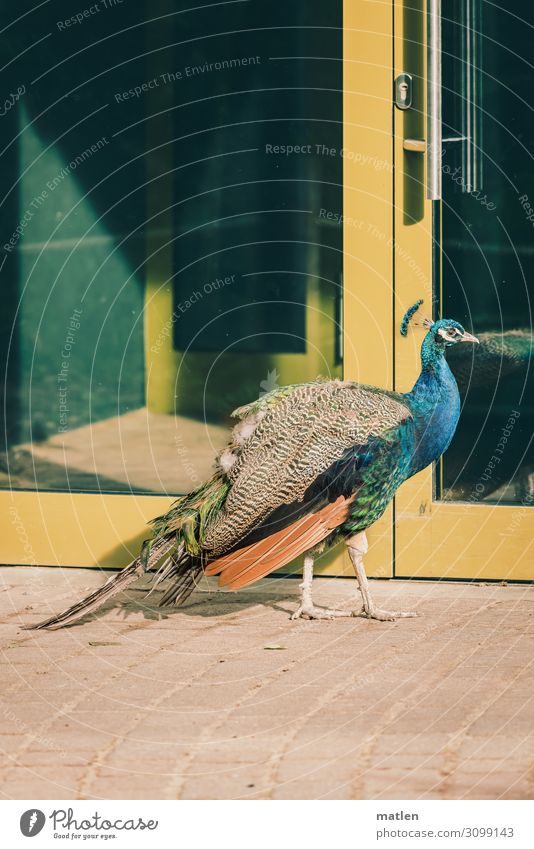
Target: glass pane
(488, 248)
(166, 251)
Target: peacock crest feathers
(409, 314)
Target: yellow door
(463, 240)
(174, 248)
(369, 331)
(240, 205)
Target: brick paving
(227, 698)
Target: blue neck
(435, 405)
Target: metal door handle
(471, 91)
(415, 145)
(433, 143)
(433, 100)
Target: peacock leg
(358, 546)
(307, 609)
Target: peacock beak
(468, 338)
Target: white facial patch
(447, 335)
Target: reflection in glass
(164, 254)
(488, 256)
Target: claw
(386, 615)
(313, 612)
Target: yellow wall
(368, 211)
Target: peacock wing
(254, 561)
(294, 445)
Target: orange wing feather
(249, 564)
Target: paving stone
(196, 705)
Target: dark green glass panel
(488, 249)
(80, 206)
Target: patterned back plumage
(290, 440)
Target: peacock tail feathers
(176, 545)
(190, 516)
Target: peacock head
(441, 334)
(447, 332)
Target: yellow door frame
(368, 218)
(436, 539)
(105, 530)
(387, 266)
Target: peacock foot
(310, 611)
(385, 615)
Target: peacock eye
(449, 334)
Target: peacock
(307, 465)
(494, 380)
